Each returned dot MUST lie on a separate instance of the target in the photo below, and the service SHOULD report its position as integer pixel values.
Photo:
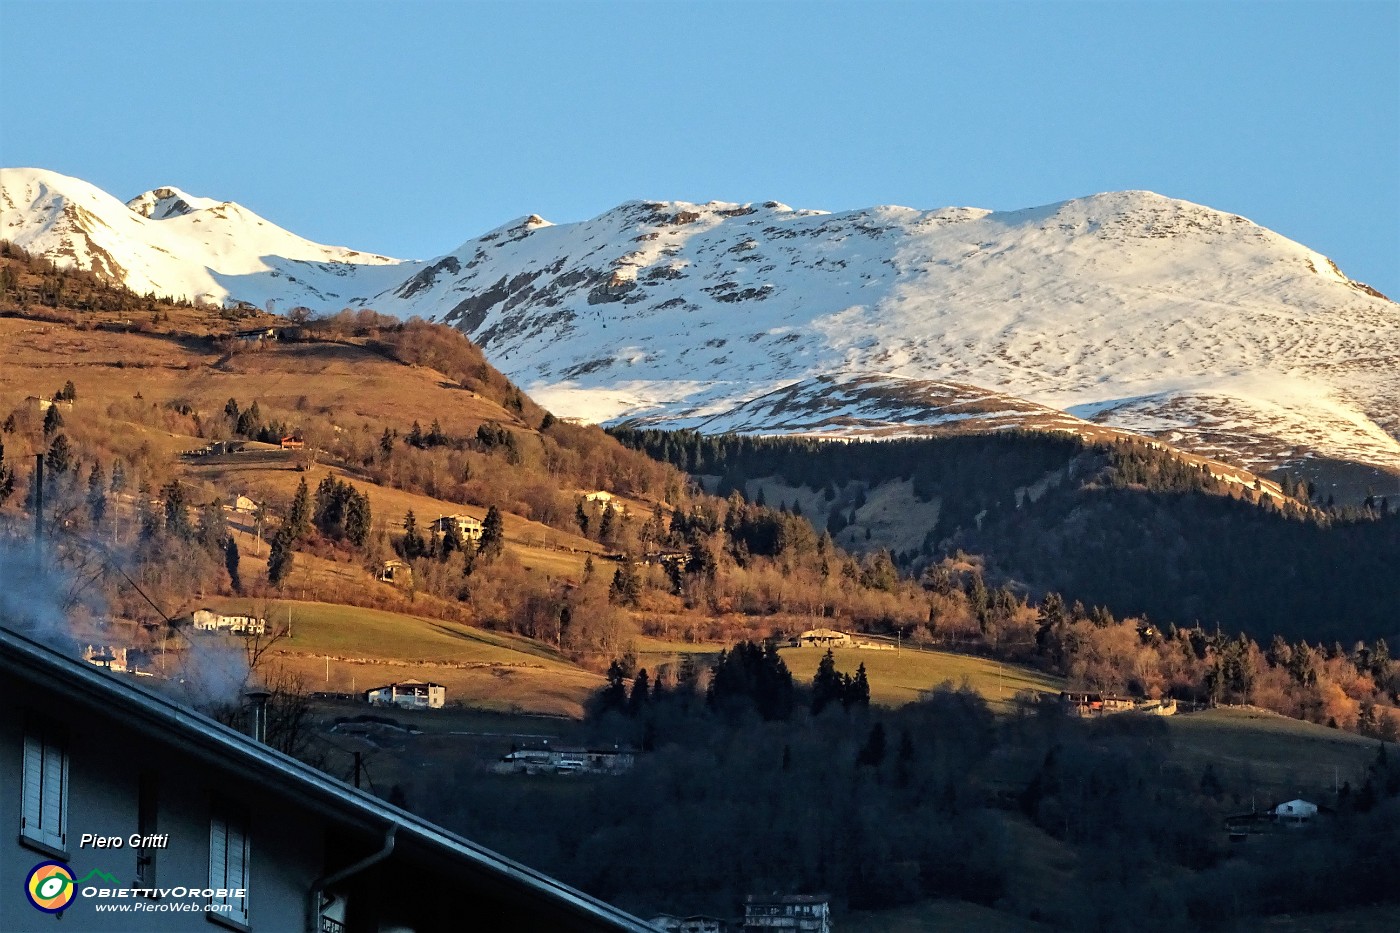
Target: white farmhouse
(1295, 813)
(469, 527)
(408, 694)
(207, 620)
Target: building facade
(469, 527)
(207, 620)
(807, 913)
(408, 694)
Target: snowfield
(1126, 309)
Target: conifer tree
(412, 544)
(641, 693)
(280, 557)
(97, 494)
(826, 683)
(858, 693)
(626, 585)
(53, 420)
(177, 516)
(614, 695)
(358, 518)
(299, 518)
(231, 564)
(493, 535)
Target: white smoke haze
(33, 597)
(43, 601)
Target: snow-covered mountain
(172, 243)
(1126, 309)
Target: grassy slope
(898, 677)
(339, 647)
(1280, 756)
(354, 383)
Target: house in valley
(1295, 813)
(823, 638)
(242, 505)
(209, 620)
(560, 759)
(470, 528)
(408, 694)
(1096, 704)
(801, 913)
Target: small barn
(394, 570)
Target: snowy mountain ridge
(1126, 309)
(172, 243)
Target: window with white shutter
(228, 862)
(44, 818)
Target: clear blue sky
(405, 128)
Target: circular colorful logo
(50, 886)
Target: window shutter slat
(239, 878)
(32, 819)
(218, 854)
(55, 803)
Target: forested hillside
(1143, 529)
(353, 441)
(351, 437)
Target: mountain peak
(168, 201)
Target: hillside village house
(207, 620)
(468, 526)
(1094, 704)
(243, 505)
(565, 760)
(807, 913)
(128, 791)
(44, 404)
(1295, 813)
(116, 658)
(824, 638)
(408, 694)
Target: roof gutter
(318, 887)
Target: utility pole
(39, 515)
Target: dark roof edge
(193, 728)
